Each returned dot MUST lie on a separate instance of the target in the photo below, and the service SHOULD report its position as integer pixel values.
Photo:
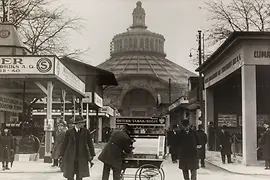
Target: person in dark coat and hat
(7, 146)
(188, 157)
(172, 142)
(113, 154)
(265, 142)
(225, 145)
(77, 151)
(202, 137)
(59, 138)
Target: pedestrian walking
(172, 136)
(265, 142)
(211, 136)
(202, 137)
(113, 154)
(225, 145)
(77, 150)
(188, 158)
(7, 146)
(59, 139)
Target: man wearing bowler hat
(77, 150)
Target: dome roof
(147, 64)
(139, 51)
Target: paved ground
(171, 171)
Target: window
(135, 45)
(146, 43)
(156, 45)
(126, 44)
(151, 44)
(141, 43)
(130, 43)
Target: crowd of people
(188, 146)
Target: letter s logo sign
(44, 65)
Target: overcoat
(68, 150)
(6, 148)
(225, 141)
(188, 157)
(172, 141)
(112, 153)
(59, 139)
(265, 141)
(202, 137)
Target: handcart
(147, 160)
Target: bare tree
(43, 30)
(238, 15)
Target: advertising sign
(48, 124)
(27, 65)
(108, 110)
(161, 146)
(67, 77)
(88, 97)
(123, 120)
(229, 120)
(98, 100)
(10, 104)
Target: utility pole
(201, 78)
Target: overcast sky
(177, 20)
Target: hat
(61, 122)
(79, 119)
(185, 122)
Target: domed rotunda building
(139, 63)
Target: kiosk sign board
(10, 104)
(67, 77)
(27, 65)
(134, 120)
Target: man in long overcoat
(7, 148)
(202, 137)
(77, 150)
(113, 154)
(211, 136)
(188, 158)
(265, 141)
(172, 142)
(225, 144)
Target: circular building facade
(139, 63)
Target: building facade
(139, 63)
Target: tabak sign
(121, 120)
(26, 65)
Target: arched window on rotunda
(141, 44)
(126, 44)
(151, 44)
(146, 44)
(130, 43)
(156, 45)
(135, 45)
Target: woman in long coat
(265, 141)
(59, 139)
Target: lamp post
(200, 58)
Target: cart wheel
(149, 172)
